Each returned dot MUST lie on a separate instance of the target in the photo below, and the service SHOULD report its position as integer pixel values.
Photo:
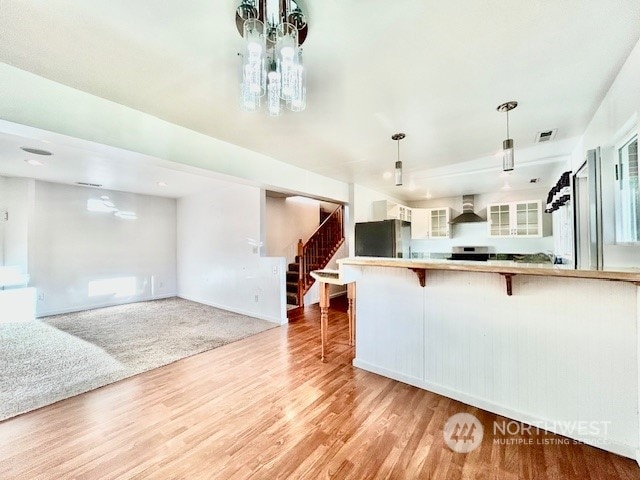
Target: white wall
(477, 233)
(72, 249)
(286, 221)
(218, 262)
(3, 208)
(617, 113)
(18, 198)
(360, 199)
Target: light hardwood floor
(266, 407)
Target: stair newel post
(301, 269)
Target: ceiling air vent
(534, 180)
(546, 136)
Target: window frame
(620, 234)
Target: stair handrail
(339, 207)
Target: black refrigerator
(387, 238)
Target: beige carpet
(45, 361)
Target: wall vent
(534, 180)
(546, 136)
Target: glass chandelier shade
(253, 64)
(507, 155)
(272, 59)
(398, 173)
(507, 145)
(398, 167)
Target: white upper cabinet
(431, 223)
(420, 223)
(386, 210)
(516, 219)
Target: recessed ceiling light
(36, 151)
(428, 196)
(506, 186)
(34, 162)
(387, 175)
(162, 184)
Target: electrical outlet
(256, 298)
(274, 270)
(41, 296)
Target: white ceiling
(75, 160)
(432, 69)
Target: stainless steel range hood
(468, 215)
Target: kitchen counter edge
(628, 275)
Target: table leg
(324, 316)
(351, 313)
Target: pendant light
(507, 145)
(398, 172)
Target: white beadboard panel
(606, 443)
(396, 322)
(558, 350)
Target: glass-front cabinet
(431, 223)
(516, 219)
(499, 220)
(439, 223)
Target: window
(627, 192)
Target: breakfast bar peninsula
(546, 345)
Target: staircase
(292, 283)
(314, 255)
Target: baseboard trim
(82, 308)
(268, 318)
(602, 443)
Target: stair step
(292, 287)
(292, 276)
(294, 267)
(292, 299)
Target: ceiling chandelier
(272, 67)
(507, 145)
